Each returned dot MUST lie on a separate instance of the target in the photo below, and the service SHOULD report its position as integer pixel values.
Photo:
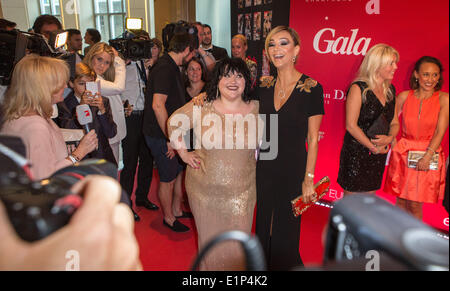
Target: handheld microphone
(84, 115)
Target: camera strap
(142, 71)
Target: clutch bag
(321, 188)
(380, 127)
(415, 156)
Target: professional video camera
(14, 45)
(36, 209)
(179, 27)
(130, 45)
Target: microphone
(84, 115)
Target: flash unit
(134, 23)
(61, 39)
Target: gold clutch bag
(321, 188)
(415, 156)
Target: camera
(132, 47)
(180, 27)
(37, 209)
(14, 45)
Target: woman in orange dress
(425, 121)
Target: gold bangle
(309, 175)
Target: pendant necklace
(282, 92)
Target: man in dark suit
(74, 46)
(218, 52)
(103, 122)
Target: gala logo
(341, 45)
(373, 7)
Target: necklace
(281, 92)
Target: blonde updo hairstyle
(278, 29)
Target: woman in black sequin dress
(363, 158)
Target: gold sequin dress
(222, 193)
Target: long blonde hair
(35, 79)
(98, 48)
(378, 56)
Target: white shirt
(134, 88)
(112, 91)
(2, 93)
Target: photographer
(164, 95)
(206, 57)
(104, 60)
(27, 111)
(135, 149)
(101, 232)
(7, 25)
(46, 24)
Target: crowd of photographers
(44, 94)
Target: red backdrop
(336, 34)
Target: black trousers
(135, 150)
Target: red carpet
(163, 250)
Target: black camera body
(37, 209)
(15, 44)
(133, 48)
(361, 224)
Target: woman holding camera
(27, 112)
(111, 76)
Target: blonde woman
(111, 74)
(38, 83)
(371, 122)
(239, 47)
(297, 100)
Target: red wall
(414, 27)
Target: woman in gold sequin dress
(221, 177)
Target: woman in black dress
(371, 98)
(297, 101)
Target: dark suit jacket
(71, 60)
(104, 125)
(219, 53)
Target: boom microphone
(84, 115)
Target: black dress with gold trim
(279, 180)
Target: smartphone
(126, 104)
(93, 87)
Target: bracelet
(309, 175)
(429, 149)
(374, 149)
(72, 159)
(75, 157)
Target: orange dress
(418, 128)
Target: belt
(137, 112)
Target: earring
(294, 59)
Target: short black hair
(180, 42)
(95, 34)
(73, 32)
(223, 68)
(6, 23)
(43, 20)
(207, 26)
